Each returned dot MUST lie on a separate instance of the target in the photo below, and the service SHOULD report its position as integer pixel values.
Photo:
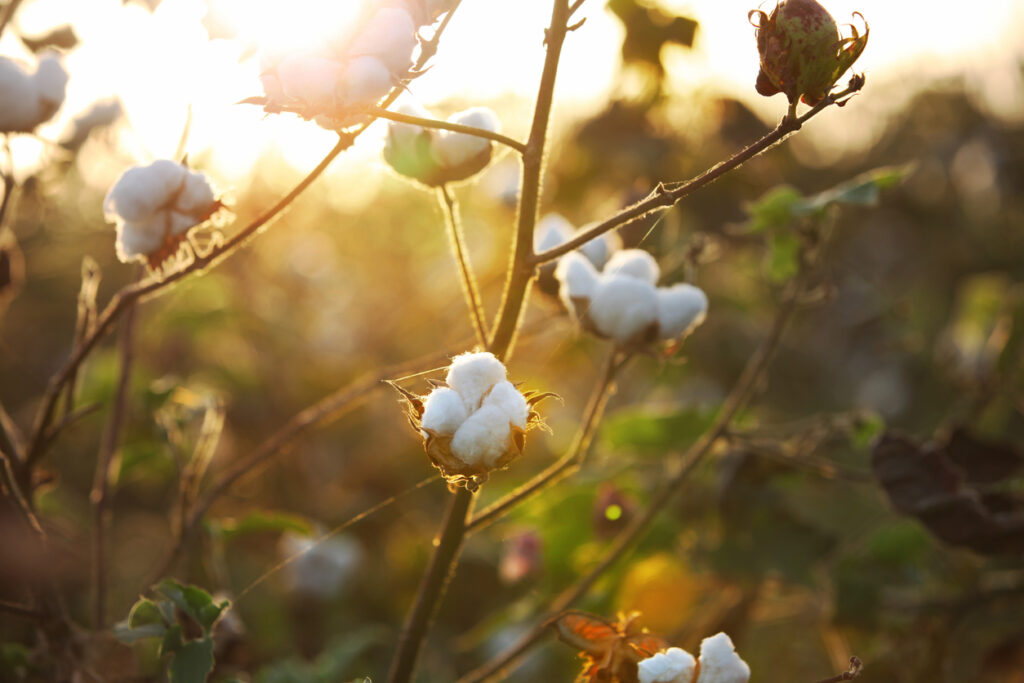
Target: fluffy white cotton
(444, 411)
(404, 135)
(455, 149)
(483, 438)
(143, 190)
(309, 79)
(622, 307)
(719, 662)
(473, 375)
(578, 277)
(390, 36)
(635, 263)
(681, 308)
(505, 397)
(552, 230)
(319, 569)
(364, 81)
(674, 665)
(600, 249)
(139, 238)
(27, 100)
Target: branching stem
(469, 287)
(448, 125)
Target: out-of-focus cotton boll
(623, 307)
(719, 662)
(473, 375)
(28, 100)
(505, 397)
(578, 277)
(309, 79)
(456, 149)
(402, 135)
(364, 81)
(483, 437)
(444, 411)
(552, 230)
(320, 568)
(600, 249)
(51, 81)
(681, 308)
(143, 190)
(138, 238)
(635, 263)
(390, 36)
(674, 665)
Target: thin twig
(448, 125)
(855, 668)
(741, 392)
(20, 611)
(457, 239)
(84, 319)
(100, 495)
(573, 458)
(664, 196)
(12, 441)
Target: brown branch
(21, 611)
(448, 125)
(855, 669)
(86, 315)
(469, 287)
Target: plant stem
(448, 125)
(664, 196)
(457, 239)
(573, 458)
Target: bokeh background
(789, 543)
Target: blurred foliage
(783, 539)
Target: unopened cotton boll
(444, 411)
(681, 308)
(473, 375)
(364, 81)
(456, 149)
(390, 36)
(674, 665)
(309, 79)
(600, 249)
(578, 277)
(635, 263)
(623, 307)
(483, 437)
(719, 662)
(505, 397)
(401, 135)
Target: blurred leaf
(863, 190)
(643, 430)
(193, 601)
(172, 641)
(648, 30)
(193, 662)
(775, 210)
(62, 37)
(867, 428)
(903, 543)
(145, 620)
(662, 589)
(263, 521)
(783, 256)
(335, 664)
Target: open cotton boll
(578, 276)
(674, 665)
(401, 135)
(719, 662)
(635, 263)
(309, 79)
(455, 149)
(443, 411)
(19, 106)
(483, 437)
(51, 82)
(196, 195)
(364, 81)
(390, 36)
(140, 238)
(143, 190)
(681, 308)
(473, 375)
(505, 397)
(552, 230)
(601, 248)
(622, 307)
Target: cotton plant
(30, 96)
(718, 663)
(552, 231)
(438, 157)
(623, 302)
(474, 422)
(156, 207)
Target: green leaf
(776, 209)
(783, 256)
(193, 662)
(864, 190)
(193, 601)
(262, 521)
(644, 430)
(146, 620)
(867, 428)
(173, 640)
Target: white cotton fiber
(578, 277)
(143, 190)
(390, 36)
(601, 248)
(196, 195)
(674, 665)
(403, 135)
(635, 263)
(363, 82)
(719, 662)
(455, 149)
(505, 397)
(622, 307)
(444, 411)
(681, 308)
(552, 230)
(51, 81)
(135, 239)
(483, 438)
(309, 79)
(18, 104)
(473, 374)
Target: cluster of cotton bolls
(319, 567)
(28, 99)
(624, 303)
(155, 207)
(554, 230)
(336, 79)
(718, 663)
(436, 157)
(476, 421)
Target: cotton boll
(674, 665)
(51, 81)
(179, 223)
(505, 397)
(552, 230)
(309, 79)
(363, 82)
(456, 149)
(143, 190)
(681, 308)
(635, 263)
(719, 662)
(601, 248)
(622, 307)
(403, 135)
(473, 374)
(444, 411)
(135, 239)
(196, 197)
(578, 277)
(320, 568)
(19, 105)
(390, 36)
(483, 438)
